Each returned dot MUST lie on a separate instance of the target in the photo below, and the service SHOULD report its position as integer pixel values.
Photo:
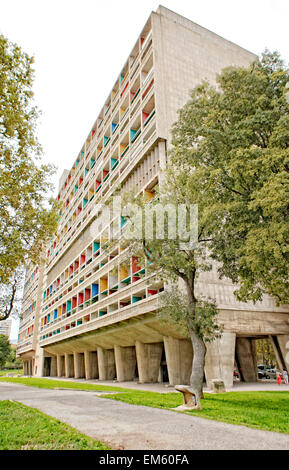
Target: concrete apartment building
(84, 314)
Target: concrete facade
(94, 317)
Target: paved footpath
(124, 426)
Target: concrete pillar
(79, 372)
(53, 367)
(125, 361)
(148, 361)
(69, 365)
(39, 361)
(247, 359)
(106, 364)
(60, 366)
(91, 365)
(220, 359)
(179, 357)
(25, 368)
(281, 349)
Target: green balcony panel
(96, 246)
(113, 163)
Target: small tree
(265, 352)
(5, 350)
(176, 259)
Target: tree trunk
(198, 366)
(199, 348)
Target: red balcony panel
(135, 266)
(152, 292)
(87, 294)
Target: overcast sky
(80, 46)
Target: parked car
(273, 373)
(262, 374)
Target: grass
(24, 428)
(12, 371)
(51, 384)
(268, 411)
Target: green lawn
(24, 428)
(51, 384)
(268, 411)
(13, 371)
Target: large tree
(27, 220)
(229, 156)
(236, 137)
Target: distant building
(5, 327)
(84, 313)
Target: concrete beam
(125, 361)
(106, 364)
(148, 361)
(220, 359)
(254, 323)
(91, 365)
(179, 357)
(247, 359)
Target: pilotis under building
(84, 314)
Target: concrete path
(260, 386)
(124, 426)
